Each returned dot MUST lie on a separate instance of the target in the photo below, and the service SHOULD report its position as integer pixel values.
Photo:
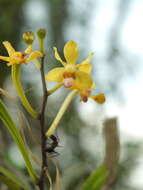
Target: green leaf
(5, 180)
(97, 179)
(13, 130)
(13, 179)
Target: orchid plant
(76, 78)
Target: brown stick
(112, 151)
(41, 118)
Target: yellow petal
(85, 67)
(93, 85)
(34, 55)
(9, 64)
(5, 58)
(9, 48)
(100, 98)
(71, 52)
(55, 75)
(28, 49)
(57, 56)
(82, 80)
(88, 59)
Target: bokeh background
(90, 134)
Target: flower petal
(85, 67)
(57, 56)
(88, 59)
(9, 64)
(9, 48)
(5, 58)
(55, 75)
(93, 85)
(82, 80)
(34, 55)
(100, 98)
(71, 52)
(28, 49)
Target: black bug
(51, 146)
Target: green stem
(56, 87)
(61, 113)
(41, 45)
(16, 80)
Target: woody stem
(42, 125)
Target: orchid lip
(68, 82)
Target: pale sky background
(130, 114)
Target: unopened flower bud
(28, 37)
(41, 33)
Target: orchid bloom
(16, 57)
(71, 72)
(72, 75)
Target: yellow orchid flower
(16, 57)
(75, 76)
(72, 74)
(14, 60)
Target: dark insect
(51, 146)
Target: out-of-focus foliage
(13, 130)
(97, 179)
(11, 180)
(11, 21)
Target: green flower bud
(28, 37)
(41, 33)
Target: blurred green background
(88, 133)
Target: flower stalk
(55, 88)
(42, 126)
(41, 118)
(15, 72)
(41, 33)
(61, 113)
